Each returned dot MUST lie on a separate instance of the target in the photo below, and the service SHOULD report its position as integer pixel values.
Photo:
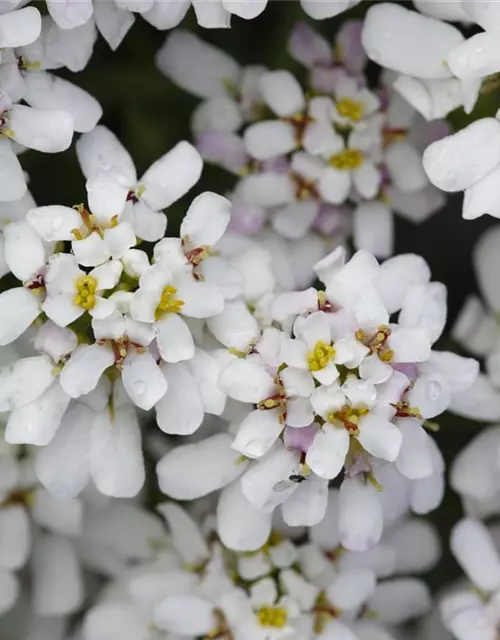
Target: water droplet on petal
(389, 34)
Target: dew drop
(389, 34)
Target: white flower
(71, 292)
(112, 182)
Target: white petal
(379, 437)
(351, 589)
(19, 28)
(211, 14)
(46, 91)
(477, 57)
(486, 264)
(240, 525)
(57, 580)
(15, 537)
(24, 381)
(107, 194)
(112, 22)
(360, 515)
(108, 620)
(44, 130)
(404, 164)
(173, 175)
(180, 410)
(326, 456)
(101, 151)
(397, 275)
(235, 326)
(116, 462)
(9, 591)
(24, 250)
(186, 536)
(12, 180)
(247, 9)
(453, 163)
(307, 505)
(267, 189)
(37, 422)
(63, 465)
(398, 600)
(174, 338)
(67, 14)
(54, 222)
(91, 251)
(482, 197)
(166, 15)
(143, 380)
(415, 457)
(64, 517)
(270, 138)
(247, 380)
(374, 228)
(424, 306)
(186, 614)
(201, 299)
(473, 547)
(85, 367)
(196, 66)
(334, 186)
(206, 219)
(195, 470)
(61, 309)
(18, 309)
(282, 93)
(258, 432)
(391, 38)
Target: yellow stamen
(86, 287)
(320, 356)
(272, 617)
(349, 108)
(347, 160)
(168, 302)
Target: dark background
(150, 114)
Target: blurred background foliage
(150, 115)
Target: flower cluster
(335, 156)
(197, 588)
(440, 74)
(346, 385)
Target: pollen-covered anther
(349, 108)
(275, 401)
(347, 160)
(378, 343)
(168, 302)
(299, 122)
(222, 631)
(320, 356)
(272, 617)
(86, 288)
(349, 417)
(404, 410)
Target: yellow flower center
(86, 287)
(347, 160)
(352, 109)
(320, 356)
(272, 617)
(168, 302)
